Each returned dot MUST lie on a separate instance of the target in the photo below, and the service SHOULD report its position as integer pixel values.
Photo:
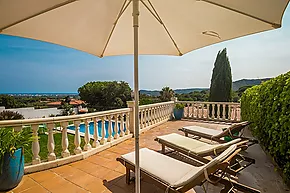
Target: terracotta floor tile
(116, 189)
(96, 187)
(65, 170)
(25, 183)
(54, 183)
(98, 160)
(121, 168)
(119, 150)
(69, 188)
(111, 165)
(42, 176)
(101, 172)
(112, 175)
(82, 180)
(86, 166)
(34, 189)
(122, 184)
(109, 155)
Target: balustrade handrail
(11, 123)
(204, 102)
(155, 105)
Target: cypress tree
(221, 81)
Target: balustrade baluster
(188, 109)
(147, 117)
(236, 113)
(35, 145)
(116, 130)
(127, 124)
(197, 110)
(207, 111)
(96, 133)
(142, 119)
(122, 125)
(230, 112)
(202, 110)
(103, 133)
(151, 117)
(50, 142)
(155, 114)
(224, 111)
(162, 112)
(87, 145)
(77, 140)
(109, 128)
(213, 111)
(218, 111)
(64, 140)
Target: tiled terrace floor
(101, 173)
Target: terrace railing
(213, 111)
(99, 131)
(155, 114)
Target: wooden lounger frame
(232, 169)
(228, 132)
(228, 184)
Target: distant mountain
(178, 91)
(247, 82)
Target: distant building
(73, 102)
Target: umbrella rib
(274, 25)
(158, 18)
(37, 14)
(123, 9)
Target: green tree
(10, 115)
(166, 94)
(221, 81)
(7, 101)
(105, 95)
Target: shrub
(179, 106)
(10, 115)
(267, 106)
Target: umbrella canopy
(167, 27)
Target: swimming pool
(91, 128)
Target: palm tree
(166, 94)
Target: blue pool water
(91, 128)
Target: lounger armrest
(232, 156)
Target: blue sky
(33, 66)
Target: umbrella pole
(136, 93)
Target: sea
(42, 94)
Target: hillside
(247, 82)
(178, 91)
(236, 85)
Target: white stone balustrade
(155, 114)
(96, 129)
(81, 127)
(212, 111)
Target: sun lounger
(173, 175)
(198, 149)
(219, 135)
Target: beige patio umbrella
(166, 27)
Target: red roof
(72, 102)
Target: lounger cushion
(203, 130)
(171, 171)
(160, 166)
(192, 145)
